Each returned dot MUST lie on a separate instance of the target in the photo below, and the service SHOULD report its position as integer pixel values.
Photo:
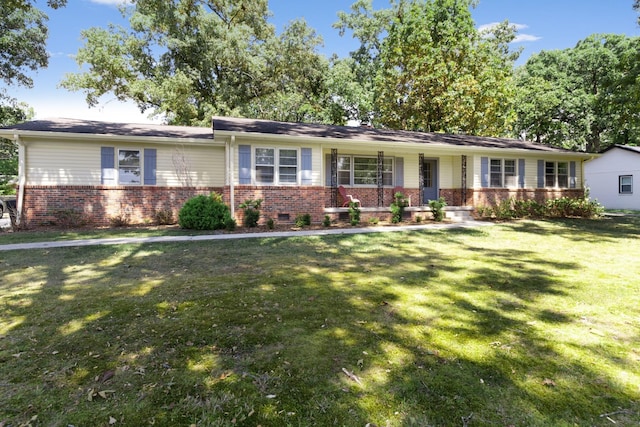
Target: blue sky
(543, 25)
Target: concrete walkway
(270, 234)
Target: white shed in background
(614, 177)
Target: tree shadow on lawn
(262, 331)
(591, 230)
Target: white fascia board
(325, 142)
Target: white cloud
(487, 27)
(520, 37)
(57, 54)
(519, 27)
(525, 38)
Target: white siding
(602, 178)
(411, 171)
(62, 163)
(446, 172)
(73, 163)
(204, 166)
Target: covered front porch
(375, 179)
(411, 213)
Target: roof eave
(79, 137)
(223, 134)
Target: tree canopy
(26, 4)
(353, 83)
(420, 65)
(189, 60)
(439, 73)
(583, 98)
(23, 37)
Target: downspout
(232, 195)
(22, 178)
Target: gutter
(232, 192)
(402, 146)
(85, 137)
(22, 176)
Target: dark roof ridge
(372, 134)
(97, 127)
(245, 125)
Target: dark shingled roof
(118, 129)
(624, 147)
(228, 124)
(363, 133)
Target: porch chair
(347, 198)
(399, 189)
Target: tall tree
(191, 59)
(438, 73)
(26, 4)
(584, 98)
(23, 37)
(182, 58)
(353, 79)
(293, 86)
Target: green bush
(205, 213)
(504, 210)
(397, 207)
(573, 207)
(354, 213)
(303, 220)
(327, 221)
(164, 217)
(563, 207)
(120, 220)
(7, 188)
(271, 224)
(69, 218)
(528, 209)
(437, 208)
(251, 212)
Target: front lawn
(532, 323)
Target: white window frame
(345, 172)
(552, 172)
(388, 175)
(287, 169)
(498, 175)
(621, 184)
(122, 169)
(280, 167)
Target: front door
(430, 175)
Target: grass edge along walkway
(191, 238)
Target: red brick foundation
(281, 204)
(100, 205)
(493, 196)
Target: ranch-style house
(104, 170)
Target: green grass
(44, 234)
(532, 323)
